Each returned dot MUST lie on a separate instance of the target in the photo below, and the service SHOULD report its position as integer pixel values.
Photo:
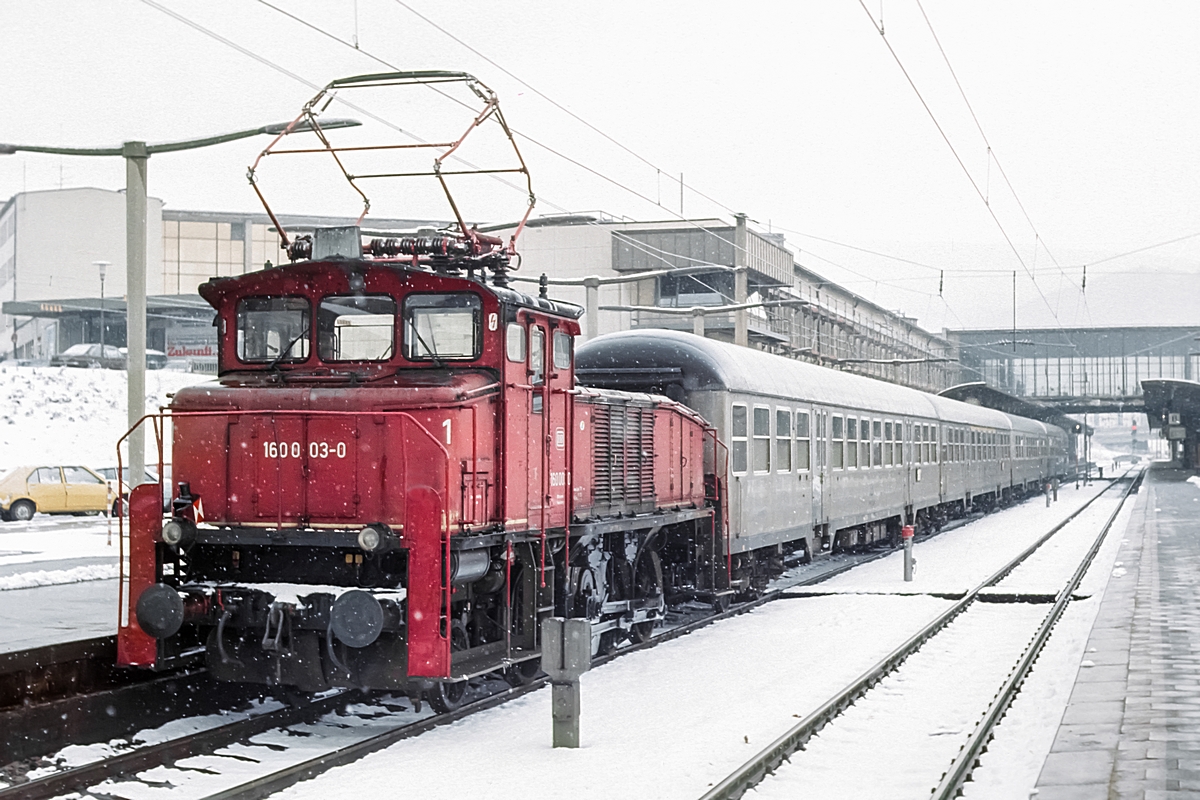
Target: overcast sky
(795, 113)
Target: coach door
(820, 471)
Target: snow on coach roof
(699, 364)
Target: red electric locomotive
(395, 478)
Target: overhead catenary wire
(553, 151)
(954, 151)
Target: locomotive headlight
(177, 532)
(369, 539)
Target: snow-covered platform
(58, 581)
(1132, 726)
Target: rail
(967, 759)
(770, 758)
(78, 778)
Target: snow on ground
(961, 559)
(915, 721)
(47, 538)
(1014, 759)
(1053, 564)
(664, 723)
(64, 415)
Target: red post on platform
(906, 536)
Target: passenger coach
(822, 460)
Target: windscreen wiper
(274, 365)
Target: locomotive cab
(365, 490)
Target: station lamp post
(103, 267)
(136, 154)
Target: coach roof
(697, 364)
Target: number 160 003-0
(295, 450)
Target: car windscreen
(77, 350)
(271, 329)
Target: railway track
(141, 759)
(775, 756)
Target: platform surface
(1132, 727)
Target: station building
(824, 323)
(50, 285)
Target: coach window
(936, 441)
(887, 444)
(864, 443)
(762, 439)
(877, 443)
(836, 446)
(851, 443)
(514, 344)
(783, 440)
(273, 329)
(356, 328)
(738, 439)
(898, 443)
(802, 440)
(439, 327)
(562, 350)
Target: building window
(783, 440)
(836, 446)
(701, 289)
(762, 439)
(738, 438)
(802, 443)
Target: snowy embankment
(57, 577)
(62, 415)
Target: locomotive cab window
(537, 355)
(514, 344)
(562, 350)
(438, 327)
(273, 329)
(356, 328)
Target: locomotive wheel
(524, 673)
(447, 696)
(649, 582)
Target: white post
(592, 306)
(136, 159)
(741, 318)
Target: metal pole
(591, 285)
(741, 318)
(698, 321)
(136, 159)
(102, 312)
(906, 535)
